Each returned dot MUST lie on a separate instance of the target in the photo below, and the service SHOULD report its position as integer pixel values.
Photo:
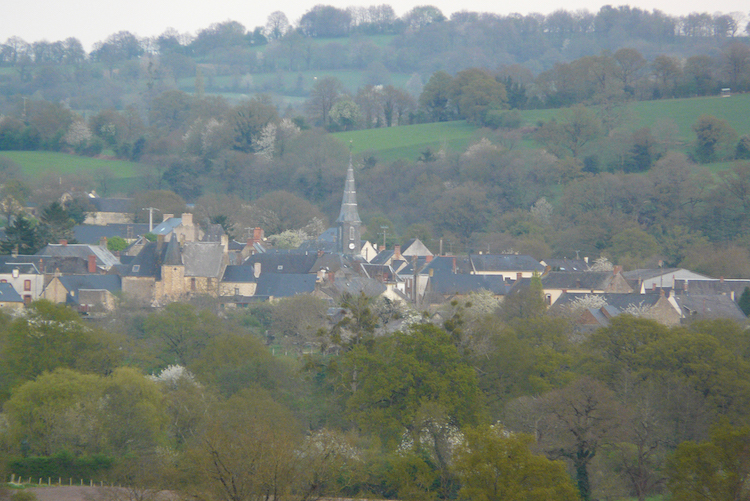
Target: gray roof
(577, 280)
(104, 258)
(619, 301)
(239, 274)
(166, 227)
(92, 234)
(284, 262)
(504, 262)
(28, 268)
(566, 264)
(712, 286)
(708, 306)
(284, 284)
(446, 264)
(147, 263)
(8, 294)
(453, 283)
(203, 259)
(382, 257)
(76, 283)
(172, 255)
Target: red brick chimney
(616, 269)
(257, 235)
(396, 252)
(92, 263)
(63, 242)
(428, 259)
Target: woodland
(482, 401)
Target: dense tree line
(497, 400)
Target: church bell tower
(348, 238)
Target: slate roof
(355, 285)
(147, 263)
(445, 264)
(166, 227)
(76, 283)
(239, 274)
(566, 264)
(104, 258)
(284, 262)
(92, 234)
(504, 262)
(382, 257)
(214, 232)
(590, 280)
(712, 287)
(8, 294)
(619, 301)
(28, 268)
(202, 259)
(708, 306)
(284, 284)
(455, 283)
(172, 255)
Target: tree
(475, 92)
(249, 120)
(630, 62)
(181, 332)
(345, 115)
(716, 469)
(56, 224)
(495, 465)
(575, 128)
(714, 138)
(414, 382)
(277, 25)
(435, 96)
(245, 452)
(21, 237)
(323, 95)
(744, 302)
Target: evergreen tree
(20, 236)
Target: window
(27, 285)
(192, 284)
(27, 300)
(351, 233)
(136, 268)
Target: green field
(38, 163)
(408, 141)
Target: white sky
(94, 20)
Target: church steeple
(348, 238)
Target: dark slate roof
(379, 272)
(213, 233)
(203, 259)
(172, 256)
(234, 245)
(576, 280)
(453, 283)
(124, 205)
(104, 258)
(239, 274)
(328, 262)
(284, 284)
(712, 287)
(284, 262)
(147, 263)
(504, 262)
(8, 294)
(445, 264)
(709, 306)
(92, 234)
(28, 268)
(566, 264)
(358, 285)
(75, 283)
(619, 301)
(408, 269)
(382, 257)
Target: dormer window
(280, 267)
(136, 268)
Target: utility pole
(150, 217)
(385, 229)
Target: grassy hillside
(409, 141)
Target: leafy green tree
(323, 95)
(410, 382)
(435, 96)
(345, 115)
(57, 411)
(180, 332)
(570, 132)
(494, 465)
(117, 244)
(249, 120)
(714, 139)
(715, 470)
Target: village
(187, 260)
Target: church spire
(348, 239)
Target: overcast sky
(94, 20)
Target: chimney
(454, 265)
(92, 263)
(64, 242)
(616, 270)
(381, 248)
(721, 280)
(103, 242)
(428, 259)
(187, 219)
(256, 269)
(396, 252)
(167, 216)
(257, 235)
(578, 283)
(331, 277)
(320, 252)
(159, 242)
(586, 259)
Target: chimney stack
(167, 216)
(159, 242)
(64, 242)
(187, 219)
(396, 252)
(92, 263)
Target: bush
(61, 465)
(497, 119)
